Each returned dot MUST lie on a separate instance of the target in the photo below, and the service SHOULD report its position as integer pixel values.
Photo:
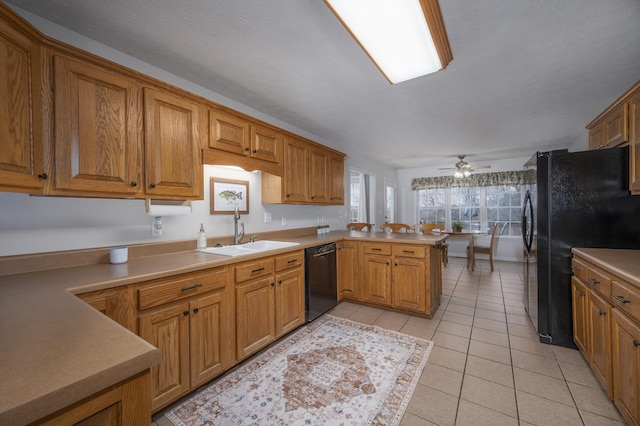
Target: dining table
(471, 235)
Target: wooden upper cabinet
(98, 140)
(318, 175)
(634, 143)
(21, 154)
(228, 133)
(296, 171)
(173, 163)
(611, 129)
(336, 179)
(266, 144)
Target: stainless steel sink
(248, 248)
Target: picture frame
(226, 194)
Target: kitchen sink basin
(248, 248)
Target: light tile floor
(487, 366)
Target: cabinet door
(318, 175)
(336, 179)
(172, 149)
(289, 301)
(255, 316)
(600, 340)
(21, 161)
(377, 279)
(168, 330)
(616, 126)
(118, 303)
(266, 144)
(97, 138)
(296, 171)
(634, 144)
(348, 270)
(580, 318)
(228, 133)
(626, 366)
(211, 351)
(409, 284)
(596, 137)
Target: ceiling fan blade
(447, 168)
(481, 167)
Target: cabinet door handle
(395, 264)
(292, 261)
(620, 298)
(253, 271)
(43, 176)
(376, 249)
(581, 293)
(602, 312)
(279, 282)
(134, 183)
(636, 343)
(273, 284)
(152, 185)
(574, 268)
(185, 313)
(594, 281)
(254, 151)
(408, 251)
(247, 149)
(195, 310)
(191, 287)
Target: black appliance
(578, 199)
(321, 284)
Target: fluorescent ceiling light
(404, 38)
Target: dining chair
(485, 249)
(396, 227)
(423, 228)
(359, 226)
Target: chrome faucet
(237, 236)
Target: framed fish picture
(226, 194)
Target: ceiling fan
(463, 169)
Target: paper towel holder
(148, 205)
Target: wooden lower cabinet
(409, 284)
(377, 279)
(117, 303)
(579, 296)
(126, 403)
(599, 316)
(348, 268)
(269, 305)
(626, 366)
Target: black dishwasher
(321, 285)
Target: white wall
(508, 248)
(30, 224)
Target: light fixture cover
(404, 38)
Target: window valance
(515, 177)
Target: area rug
(332, 371)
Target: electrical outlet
(284, 221)
(156, 227)
(267, 217)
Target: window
(362, 188)
(478, 208)
(390, 197)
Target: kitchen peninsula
(58, 351)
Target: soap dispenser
(202, 238)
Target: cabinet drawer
(406, 250)
(579, 269)
(289, 260)
(626, 297)
(159, 292)
(599, 281)
(254, 269)
(376, 248)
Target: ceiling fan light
(458, 174)
(466, 173)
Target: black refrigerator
(573, 199)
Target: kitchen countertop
(623, 263)
(56, 350)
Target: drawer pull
(602, 312)
(185, 313)
(376, 249)
(575, 268)
(408, 251)
(191, 287)
(195, 310)
(253, 271)
(621, 298)
(292, 261)
(636, 343)
(594, 281)
(581, 293)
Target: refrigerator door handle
(527, 224)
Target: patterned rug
(332, 371)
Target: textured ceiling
(526, 74)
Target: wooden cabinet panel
(168, 330)
(596, 137)
(266, 144)
(407, 250)
(348, 269)
(409, 284)
(21, 152)
(634, 143)
(296, 171)
(376, 248)
(228, 133)
(580, 319)
(336, 179)
(118, 303)
(318, 175)
(289, 260)
(211, 349)
(600, 340)
(255, 316)
(616, 125)
(173, 163)
(626, 366)
(289, 301)
(98, 140)
(377, 279)
(254, 269)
